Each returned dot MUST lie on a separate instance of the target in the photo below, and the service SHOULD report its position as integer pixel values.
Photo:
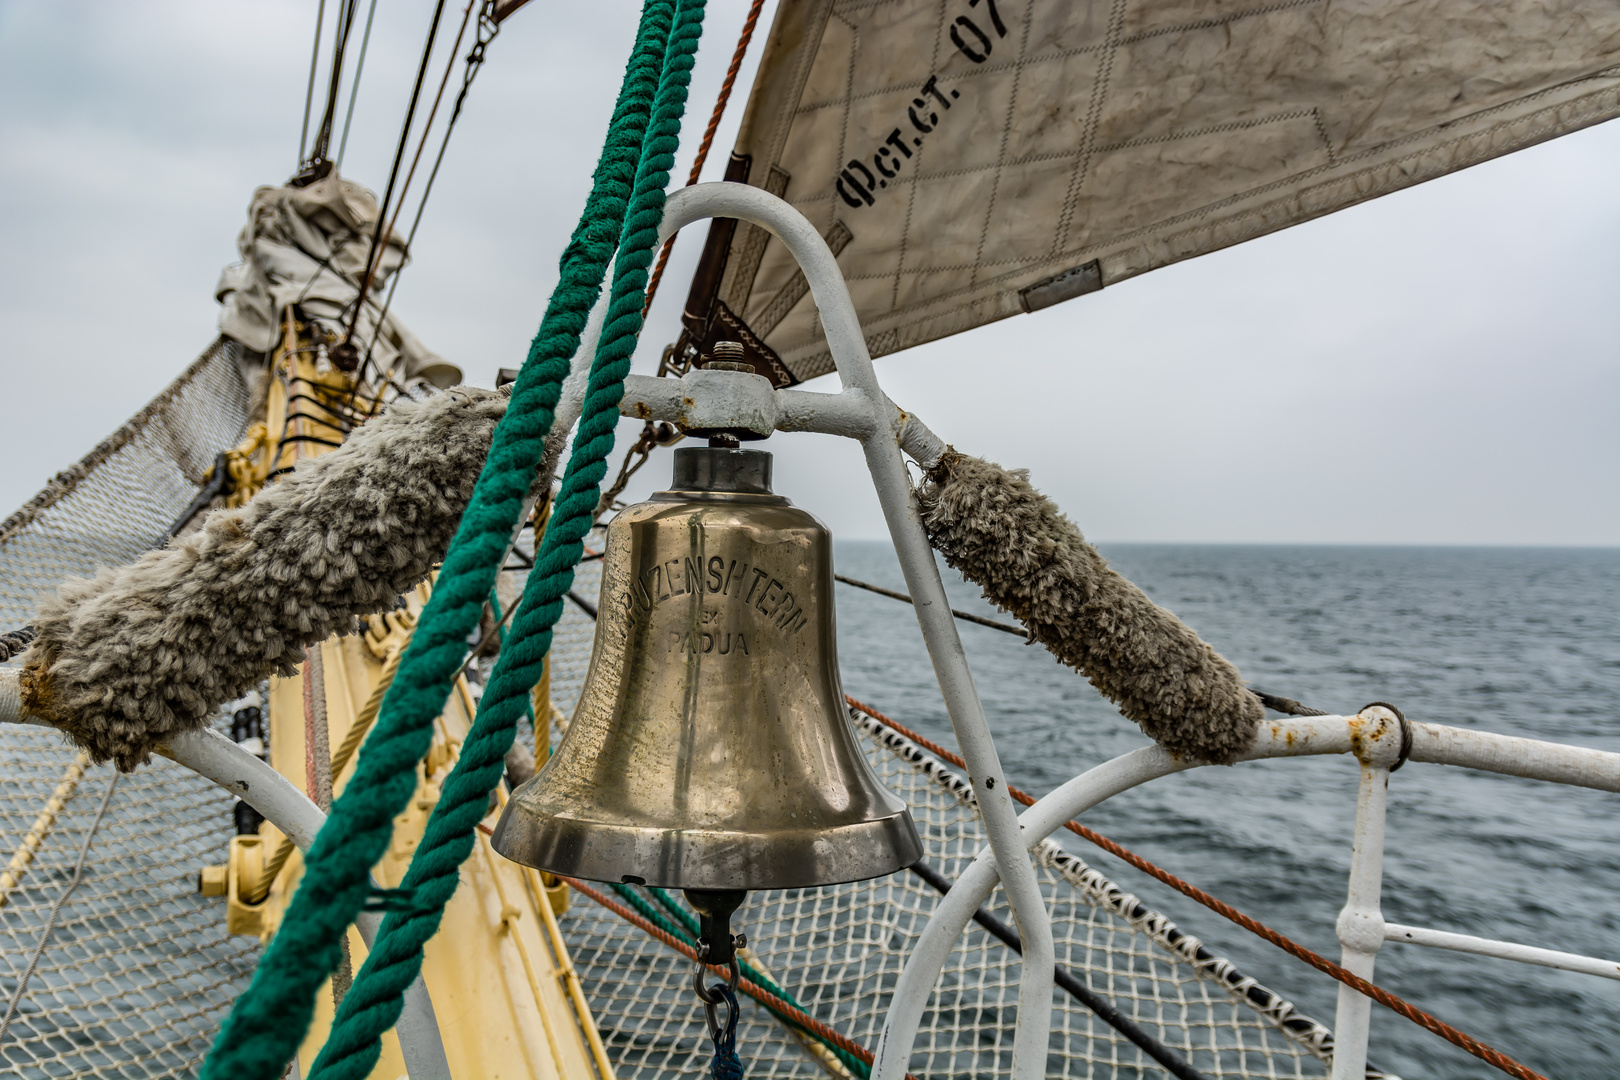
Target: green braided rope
(688, 931)
(653, 915)
(264, 1029)
(373, 1002)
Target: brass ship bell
(711, 750)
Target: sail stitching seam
(1321, 129)
(1063, 54)
(1099, 95)
(1001, 159)
(849, 82)
(911, 196)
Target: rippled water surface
(1518, 641)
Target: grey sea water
(1517, 641)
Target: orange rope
(1439, 1027)
(708, 139)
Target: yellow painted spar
(504, 991)
(503, 988)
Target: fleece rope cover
(264, 1029)
(141, 653)
(1014, 543)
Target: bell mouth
(703, 859)
(722, 469)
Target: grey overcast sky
(1438, 366)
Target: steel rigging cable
(410, 174)
(393, 176)
(354, 86)
(488, 27)
(737, 55)
(309, 94)
(310, 167)
(56, 907)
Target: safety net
(120, 500)
(136, 969)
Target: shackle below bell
(711, 748)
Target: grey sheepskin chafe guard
(1014, 543)
(140, 653)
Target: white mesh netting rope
(118, 502)
(138, 970)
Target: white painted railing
(1375, 737)
(1502, 950)
(1361, 927)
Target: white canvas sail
(974, 159)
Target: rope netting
(840, 950)
(138, 969)
(118, 502)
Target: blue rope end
(725, 1065)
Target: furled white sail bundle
(307, 246)
(973, 159)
